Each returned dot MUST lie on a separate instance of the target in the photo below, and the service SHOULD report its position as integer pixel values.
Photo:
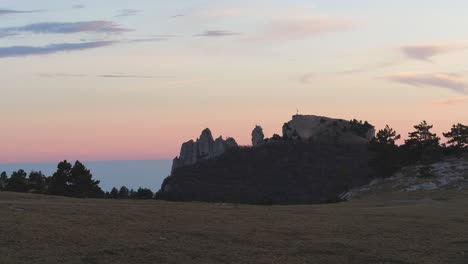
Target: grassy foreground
(391, 228)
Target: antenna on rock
(297, 110)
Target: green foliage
(17, 182)
(388, 157)
(124, 193)
(143, 194)
(59, 181)
(74, 181)
(3, 180)
(360, 128)
(458, 137)
(386, 136)
(114, 193)
(276, 137)
(37, 182)
(422, 138)
(422, 144)
(81, 183)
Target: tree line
(421, 147)
(69, 180)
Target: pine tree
(114, 194)
(37, 182)
(60, 180)
(387, 136)
(18, 182)
(3, 180)
(458, 136)
(123, 193)
(82, 183)
(422, 138)
(422, 144)
(387, 159)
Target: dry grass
(390, 228)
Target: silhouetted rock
(257, 136)
(310, 128)
(315, 161)
(204, 148)
(205, 144)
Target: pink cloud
(426, 51)
(301, 27)
(449, 81)
(451, 101)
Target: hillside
(315, 160)
(274, 173)
(447, 175)
(400, 227)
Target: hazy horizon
(131, 173)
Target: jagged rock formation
(310, 128)
(315, 161)
(204, 148)
(257, 136)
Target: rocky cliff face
(204, 148)
(311, 128)
(257, 136)
(315, 161)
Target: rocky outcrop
(447, 174)
(283, 173)
(257, 136)
(204, 148)
(316, 160)
(311, 128)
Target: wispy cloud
(52, 75)
(449, 81)
(151, 39)
(217, 33)
(314, 76)
(10, 11)
(425, 52)
(301, 27)
(222, 13)
(177, 16)
(133, 76)
(67, 28)
(79, 6)
(21, 51)
(64, 75)
(451, 101)
(128, 12)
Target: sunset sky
(129, 80)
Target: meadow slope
(417, 227)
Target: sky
(132, 80)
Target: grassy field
(390, 228)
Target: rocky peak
(257, 136)
(205, 144)
(204, 148)
(324, 129)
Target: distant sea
(133, 174)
